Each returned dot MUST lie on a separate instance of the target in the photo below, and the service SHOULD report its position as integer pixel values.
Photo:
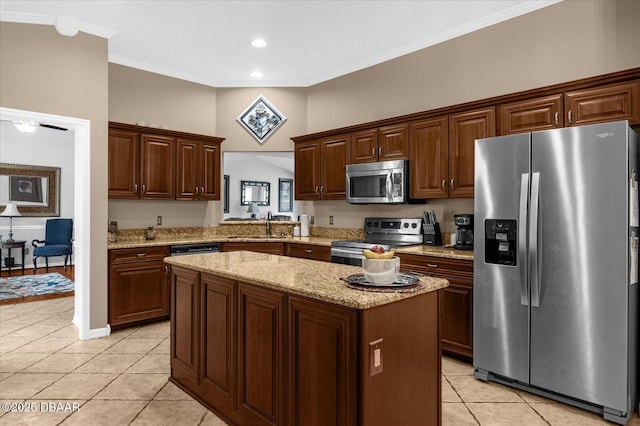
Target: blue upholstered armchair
(57, 242)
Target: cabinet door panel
(210, 172)
(158, 167)
(531, 115)
(394, 142)
(260, 354)
(184, 325)
(307, 170)
(429, 168)
(335, 152)
(608, 103)
(124, 163)
(364, 146)
(138, 291)
(322, 360)
(465, 128)
(187, 173)
(456, 308)
(219, 349)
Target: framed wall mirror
(254, 192)
(34, 189)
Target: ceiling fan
(26, 126)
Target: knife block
(431, 234)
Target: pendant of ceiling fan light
(25, 126)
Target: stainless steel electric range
(387, 232)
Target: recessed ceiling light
(256, 74)
(258, 42)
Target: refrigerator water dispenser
(501, 244)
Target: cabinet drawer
(309, 251)
(138, 254)
(437, 266)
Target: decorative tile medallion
(261, 119)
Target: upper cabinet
(143, 164)
(380, 144)
(573, 108)
(198, 173)
(320, 168)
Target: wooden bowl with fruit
(380, 267)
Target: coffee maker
(464, 233)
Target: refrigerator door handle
(533, 238)
(522, 238)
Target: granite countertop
(437, 251)
(310, 278)
(218, 239)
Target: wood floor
(69, 273)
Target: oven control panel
(388, 225)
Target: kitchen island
(267, 339)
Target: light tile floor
(123, 379)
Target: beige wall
(141, 96)
(563, 42)
(45, 72)
(291, 102)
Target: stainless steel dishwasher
(200, 248)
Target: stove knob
(369, 224)
(414, 225)
(406, 225)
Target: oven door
(346, 256)
(374, 183)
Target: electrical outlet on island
(158, 220)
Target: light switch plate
(375, 357)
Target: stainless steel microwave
(384, 182)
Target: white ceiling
(309, 42)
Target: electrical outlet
(330, 220)
(158, 220)
(375, 357)
(26, 250)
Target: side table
(9, 261)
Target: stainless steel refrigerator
(556, 265)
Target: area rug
(28, 288)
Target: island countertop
(310, 278)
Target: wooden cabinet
(380, 144)
(442, 153)
(198, 173)
(464, 129)
(574, 108)
(322, 363)
(144, 163)
(270, 247)
(261, 354)
(456, 301)
(608, 103)
(309, 251)
(543, 113)
(320, 168)
(138, 285)
(429, 151)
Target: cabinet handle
(196, 192)
(166, 270)
(321, 189)
(135, 188)
(432, 265)
(556, 116)
(144, 188)
(373, 152)
(451, 184)
(569, 116)
(141, 255)
(444, 182)
(380, 151)
(201, 190)
(316, 189)
(307, 251)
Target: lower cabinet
(138, 285)
(456, 301)
(265, 357)
(309, 251)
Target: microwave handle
(389, 186)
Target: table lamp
(253, 209)
(10, 211)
